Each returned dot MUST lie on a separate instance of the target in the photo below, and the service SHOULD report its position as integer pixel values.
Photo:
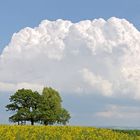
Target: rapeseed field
(25, 132)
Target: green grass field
(15, 132)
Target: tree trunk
(45, 123)
(32, 122)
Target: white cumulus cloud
(96, 82)
(91, 56)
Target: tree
(24, 103)
(63, 117)
(51, 111)
(31, 106)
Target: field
(15, 132)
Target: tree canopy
(44, 108)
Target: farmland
(15, 132)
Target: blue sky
(86, 109)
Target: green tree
(25, 105)
(63, 117)
(31, 106)
(51, 111)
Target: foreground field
(8, 132)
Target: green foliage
(63, 117)
(130, 132)
(50, 108)
(34, 107)
(25, 104)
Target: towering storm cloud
(88, 57)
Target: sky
(89, 51)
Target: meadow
(15, 132)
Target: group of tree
(45, 108)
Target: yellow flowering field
(15, 132)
